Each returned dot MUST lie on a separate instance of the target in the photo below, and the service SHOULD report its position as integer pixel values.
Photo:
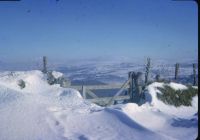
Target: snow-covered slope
(40, 112)
(176, 122)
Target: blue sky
(80, 29)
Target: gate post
(137, 86)
(83, 92)
(130, 90)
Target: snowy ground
(41, 112)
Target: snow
(176, 122)
(161, 122)
(40, 112)
(113, 71)
(177, 86)
(182, 111)
(57, 74)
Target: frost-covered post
(44, 64)
(130, 90)
(83, 92)
(147, 70)
(194, 74)
(137, 85)
(176, 70)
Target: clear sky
(77, 29)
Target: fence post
(130, 85)
(147, 70)
(194, 74)
(44, 64)
(83, 92)
(176, 70)
(138, 88)
(157, 78)
(139, 85)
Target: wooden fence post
(147, 70)
(138, 88)
(194, 74)
(157, 78)
(130, 90)
(176, 71)
(44, 64)
(83, 92)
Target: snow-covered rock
(54, 77)
(57, 74)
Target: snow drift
(41, 111)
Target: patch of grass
(177, 97)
